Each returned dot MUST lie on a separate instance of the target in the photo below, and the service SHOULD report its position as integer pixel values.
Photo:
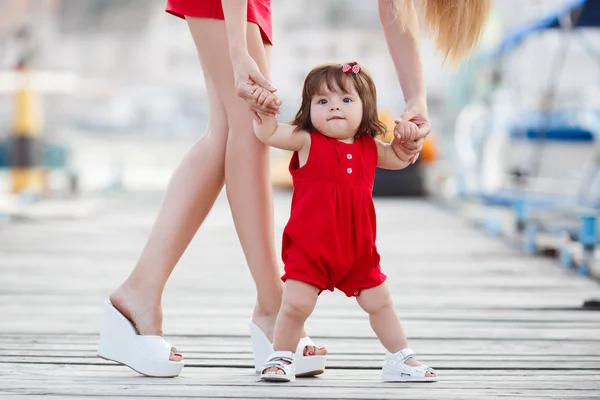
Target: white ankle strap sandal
(395, 368)
(282, 361)
(262, 348)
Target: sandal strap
(415, 372)
(277, 359)
(282, 355)
(429, 369)
(406, 354)
(397, 363)
(277, 364)
(409, 370)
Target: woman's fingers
(264, 101)
(261, 81)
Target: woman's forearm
(235, 12)
(402, 37)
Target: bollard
(566, 257)
(26, 150)
(529, 246)
(520, 207)
(588, 239)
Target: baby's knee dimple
(376, 305)
(297, 308)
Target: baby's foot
(403, 367)
(414, 363)
(145, 315)
(275, 370)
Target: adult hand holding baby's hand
(408, 139)
(247, 75)
(406, 131)
(401, 131)
(265, 100)
(415, 111)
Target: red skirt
(259, 12)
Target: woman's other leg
(246, 166)
(247, 179)
(190, 195)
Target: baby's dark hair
(333, 78)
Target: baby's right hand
(265, 98)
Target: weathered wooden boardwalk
(493, 322)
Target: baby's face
(336, 114)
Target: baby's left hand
(406, 131)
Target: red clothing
(329, 241)
(259, 12)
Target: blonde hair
(455, 25)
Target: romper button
(356, 293)
(349, 156)
(349, 170)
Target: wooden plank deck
(493, 322)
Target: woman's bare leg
(246, 168)
(247, 178)
(190, 195)
(193, 189)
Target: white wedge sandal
(262, 349)
(395, 368)
(146, 354)
(283, 361)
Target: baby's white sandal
(283, 361)
(395, 368)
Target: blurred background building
(122, 85)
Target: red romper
(329, 240)
(259, 12)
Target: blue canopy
(580, 13)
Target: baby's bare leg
(299, 300)
(377, 302)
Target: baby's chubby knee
(373, 303)
(299, 299)
(297, 307)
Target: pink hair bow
(347, 67)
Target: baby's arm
(390, 155)
(281, 136)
